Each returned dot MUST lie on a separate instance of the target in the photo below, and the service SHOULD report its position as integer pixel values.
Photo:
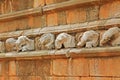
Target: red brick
(22, 4)
(49, 1)
(2, 78)
(76, 15)
(26, 68)
(22, 24)
(82, 15)
(101, 78)
(37, 22)
(105, 66)
(64, 78)
(29, 78)
(31, 21)
(110, 10)
(115, 78)
(62, 18)
(12, 68)
(80, 67)
(104, 11)
(43, 21)
(86, 78)
(13, 78)
(38, 3)
(72, 78)
(95, 78)
(56, 78)
(60, 67)
(43, 68)
(1, 71)
(3, 28)
(72, 16)
(38, 78)
(92, 13)
(11, 25)
(52, 19)
(6, 7)
(2, 68)
(35, 78)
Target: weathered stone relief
(2, 47)
(64, 40)
(89, 39)
(46, 41)
(10, 44)
(111, 37)
(24, 44)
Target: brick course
(105, 67)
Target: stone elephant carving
(89, 39)
(2, 47)
(111, 37)
(46, 41)
(10, 44)
(24, 44)
(64, 40)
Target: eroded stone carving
(46, 41)
(24, 44)
(64, 40)
(2, 47)
(89, 39)
(111, 37)
(10, 44)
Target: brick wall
(103, 67)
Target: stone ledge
(64, 53)
(68, 4)
(81, 27)
(70, 28)
(14, 34)
(19, 14)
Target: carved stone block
(10, 44)
(46, 41)
(2, 47)
(89, 39)
(111, 37)
(24, 44)
(64, 40)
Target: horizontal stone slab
(70, 28)
(64, 53)
(14, 34)
(69, 4)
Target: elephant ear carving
(89, 39)
(64, 40)
(46, 41)
(24, 44)
(10, 44)
(111, 37)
